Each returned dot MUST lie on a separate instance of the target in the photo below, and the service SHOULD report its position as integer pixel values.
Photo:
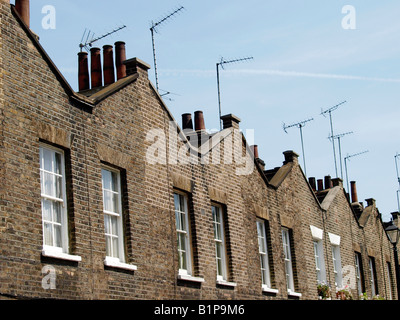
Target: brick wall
(36, 106)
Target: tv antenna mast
(396, 157)
(221, 64)
(153, 29)
(345, 165)
(338, 137)
(330, 110)
(90, 39)
(300, 125)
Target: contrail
(272, 72)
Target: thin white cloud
(272, 72)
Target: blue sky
(304, 62)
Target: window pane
(46, 210)
(47, 161)
(57, 236)
(114, 226)
(49, 185)
(178, 220)
(107, 224)
(106, 175)
(220, 268)
(48, 234)
(57, 212)
(57, 163)
(115, 247)
(58, 187)
(108, 247)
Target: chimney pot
(313, 185)
(187, 123)
(120, 57)
(320, 185)
(395, 218)
(328, 182)
(22, 7)
(108, 65)
(83, 72)
(354, 196)
(199, 121)
(255, 151)
(96, 74)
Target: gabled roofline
(82, 102)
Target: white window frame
(219, 240)
(358, 273)
(372, 272)
(288, 260)
(52, 248)
(317, 235)
(112, 258)
(337, 260)
(319, 261)
(337, 266)
(263, 253)
(389, 279)
(182, 217)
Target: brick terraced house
(104, 196)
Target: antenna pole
(219, 98)
(153, 28)
(300, 125)
(347, 176)
(345, 160)
(398, 180)
(154, 57)
(221, 63)
(333, 140)
(339, 136)
(88, 43)
(302, 147)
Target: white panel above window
(334, 239)
(317, 233)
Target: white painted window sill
(115, 263)
(269, 290)
(60, 255)
(190, 278)
(226, 283)
(294, 294)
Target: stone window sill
(294, 294)
(269, 290)
(60, 255)
(226, 283)
(115, 263)
(187, 277)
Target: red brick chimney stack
(22, 7)
(320, 184)
(96, 74)
(120, 57)
(83, 72)
(108, 65)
